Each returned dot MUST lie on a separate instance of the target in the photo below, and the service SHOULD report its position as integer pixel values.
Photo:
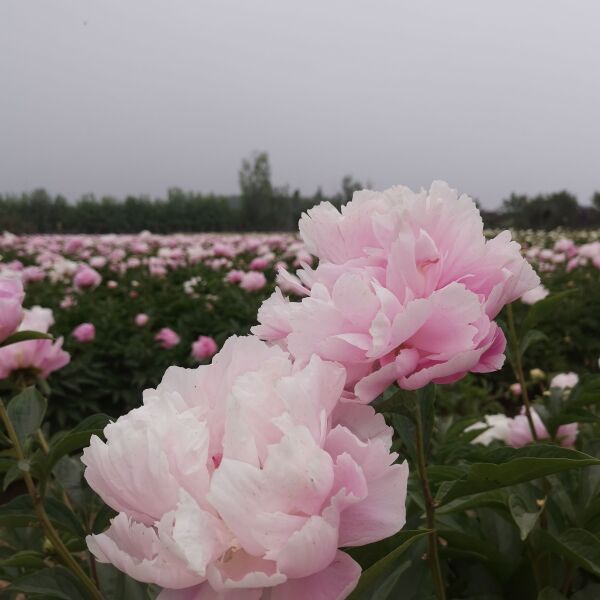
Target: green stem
(38, 504)
(433, 554)
(517, 365)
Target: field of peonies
(391, 404)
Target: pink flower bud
(204, 347)
(86, 332)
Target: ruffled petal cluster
(246, 476)
(406, 290)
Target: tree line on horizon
(260, 206)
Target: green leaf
(524, 517)
(24, 336)
(587, 391)
(115, 585)
(589, 592)
(19, 512)
(26, 559)
(57, 583)
(425, 400)
(75, 439)
(515, 466)
(26, 411)
(14, 473)
(550, 594)
(493, 499)
(368, 555)
(533, 336)
(371, 579)
(482, 549)
(578, 546)
(545, 308)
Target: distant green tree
(257, 192)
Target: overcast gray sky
(135, 96)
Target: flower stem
(517, 365)
(38, 505)
(432, 554)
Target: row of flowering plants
(318, 456)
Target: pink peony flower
(87, 278)
(141, 319)
(11, 309)
(516, 389)
(564, 380)
(406, 290)
(204, 347)
(167, 338)
(253, 281)
(520, 432)
(534, 295)
(260, 263)
(234, 276)
(41, 356)
(86, 332)
(497, 428)
(245, 476)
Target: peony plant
(280, 470)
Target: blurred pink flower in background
(41, 356)
(516, 389)
(406, 290)
(11, 309)
(246, 475)
(564, 380)
(520, 431)
(86, 332)
(86, 278)
(141, 319)
(167, 338)
(204, 347)
(259, 263)
(535, 295)
(234, 276)
(253, 281)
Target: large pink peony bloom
(11, 310)
(246, 475)
(41, 356)
(87, 278)
(406, 290)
